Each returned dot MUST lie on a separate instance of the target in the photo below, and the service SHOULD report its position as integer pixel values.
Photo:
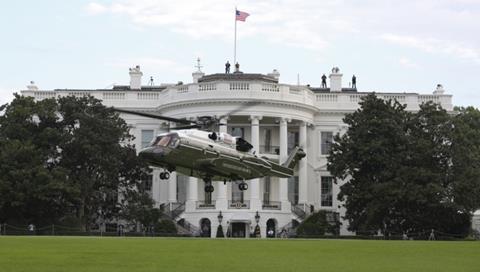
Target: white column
(255, 203)
(172, 188)
(302, 166)
(192, 194)
(156, 190)
(221, 202)
(283, 188)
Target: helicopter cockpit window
(170, 140)
(164, 141)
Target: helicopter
(196, 150)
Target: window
(266, 189)
(208, 196)
(268, 140)
(237, 194)
(326, 191)
(182, 188)
(238, 132)
(293, 190)
(147, 183)
(292, 140)
(326, 142)
(147, 136)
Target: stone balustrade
(208, 91)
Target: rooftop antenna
(298, 79)
(198, 66)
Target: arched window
(271, 228)
(205, 227)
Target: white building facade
(286, 116)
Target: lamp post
(220, 217)
(220, 229)
(257, 228)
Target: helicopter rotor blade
(242, 107)
(186, 127)
(149, 115)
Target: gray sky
(394, 46)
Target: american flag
(241, 15)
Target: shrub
(320, 223)
(166, 226)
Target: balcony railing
(239, 204)
(203, 205)
(157, 97)
(272, 205)
(251, 90)
(176, 209)
(299, 210)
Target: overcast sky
(391, 46)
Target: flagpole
(235, 42)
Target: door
(238, 230)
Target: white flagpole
(235, 43)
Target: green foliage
(32, 188)
(407, 172)
(138, 207)
(220, 233)
(318, 224)
(466, 159)
(165, 227)
(63, 158)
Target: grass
(34, 253)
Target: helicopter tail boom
(285, 170)
(292, 160)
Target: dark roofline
(237, 77)
(327, 90)
(117, 88)
(352, 90)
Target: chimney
(197, 74)
(135, 78)
(32, 86)
(439, 90)
(335, 80)
(275, 74)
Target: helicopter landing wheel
(243, 186)
(208, 185)
(209, 188)
(164, 175)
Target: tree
(70, 156)
(370, 154)
(32, 188)
(102, 164)
(466, 159)
(137, 207)
(406, 172)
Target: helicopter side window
(174, 142)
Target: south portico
(269, 201)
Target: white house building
(288, 115)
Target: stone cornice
(276, 103)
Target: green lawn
(51, 254)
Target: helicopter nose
(151, 153)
